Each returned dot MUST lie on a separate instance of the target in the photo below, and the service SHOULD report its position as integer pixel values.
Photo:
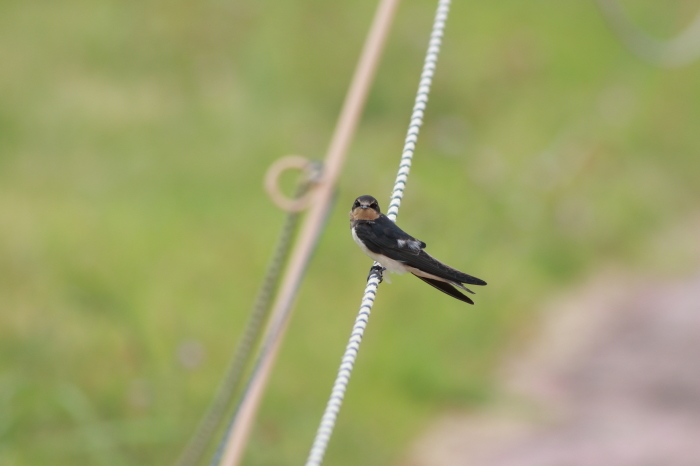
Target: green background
(134, 229)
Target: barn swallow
(399, 252)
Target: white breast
(390, 264)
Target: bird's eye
(374, 204)
(356, 204)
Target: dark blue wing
(382, 237)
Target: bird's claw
(379, 270)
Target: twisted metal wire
(242, 421)
(194, 451)
(267, 345)
(330, 414)
(426, 80)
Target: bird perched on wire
(399, 252)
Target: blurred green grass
(133, 141)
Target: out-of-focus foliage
(134, 230)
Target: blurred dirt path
(613, 379)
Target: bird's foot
(379, 270)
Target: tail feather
(429, 264)
(468, 279)
(446, 288)
(459, 285)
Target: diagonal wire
(242, 421)
(330, 415)
(194, 451)
(266, 347)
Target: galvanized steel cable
(335, 401)
(319, 203)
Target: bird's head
(365, 208)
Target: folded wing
(384, 237)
